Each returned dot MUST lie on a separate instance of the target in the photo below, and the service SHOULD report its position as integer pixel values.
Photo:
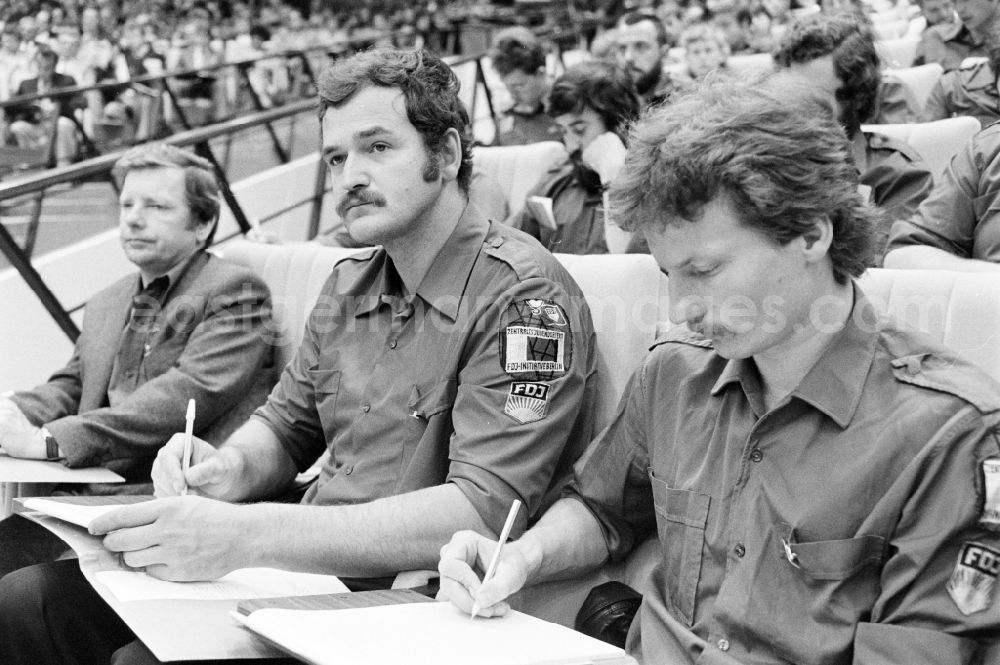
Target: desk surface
(14, 470)
(171, 629)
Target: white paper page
(69, 512)
(427, 634)
(240, 584)
(541, 208)
(16, 470)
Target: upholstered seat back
(958, 309)
(937, 141)
(517, 168)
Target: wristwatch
(51, 447)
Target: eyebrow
(377, 130)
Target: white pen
(188, 433)
(492, 568)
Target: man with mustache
(592, 104)
(187, 326)
(443, 373)
(821, 481)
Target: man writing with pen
(821, 482)
(445, 373)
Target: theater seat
(937, 141)
(517, 168)
(920, 80)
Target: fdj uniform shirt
(831, 525)
(480, 379)
(962, 213)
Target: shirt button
(740, 550)
(496, 242)
(366, 407)
(723, 644)
(349, 469)
(756, 455)
(392, 343)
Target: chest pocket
(326, 385)
(430, 399)
(681, 517)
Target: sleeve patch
(527, 402)
(535, 341)
(974, 578)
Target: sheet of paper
(237, 585)
(80, 515)
(541, 208)
(426, 634)
(14, 470)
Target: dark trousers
(50, 615)
(25, 543)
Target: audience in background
(958, 226)
(592, 103)
(951, 43)
(642, 45)
(835, 56)
(971, 89)
(35, 124)
(519, 60)
(705, 50)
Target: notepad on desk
(425, 633)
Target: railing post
(23, 265)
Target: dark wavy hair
(200, 183)
(429, 87)
(782, 161)
(601, 86)
(515, 55)
(638, 17)
(850, 40)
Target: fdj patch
(974, 579)
(535, 341)
(527, 402)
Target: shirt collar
(173, 275)
(833, 385)
(444, 284)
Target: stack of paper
(426, 634)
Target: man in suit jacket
(189, 326)
(32, 122)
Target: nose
(571, 142)
(354, 174)
(685, 307)
(131, 215)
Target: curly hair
(515, 55)
(848, 37)
(429, 87)
(601, 86)
(200, 184)
(782, 162)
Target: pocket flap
(430, 399)
(683, 506)
(837, 559)
(325, 381)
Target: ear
(201, 232)
(817, 240)
(451, 154)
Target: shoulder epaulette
(949, 374)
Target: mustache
(359, 197)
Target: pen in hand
(188, 433)
(492, 568)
